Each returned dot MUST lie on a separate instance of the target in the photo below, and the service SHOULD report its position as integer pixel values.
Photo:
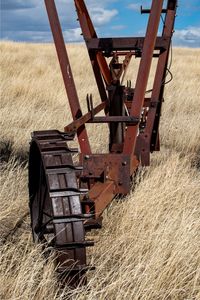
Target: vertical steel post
(149, 140)
(143, 74)
(158, 86)
(67, 73)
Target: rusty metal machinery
(67, 199)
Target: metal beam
(67, 73)
(143, 74)
(124, 44)
(99, 63)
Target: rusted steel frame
(123, 44)
(167, 31)
(147, 102)
(102, 194)
(118, 119)
(82, 11)
(98, 76)
(85, 118)
(123, 53)
(158, 89)
(116, 108)
(67, 73)
(98, 61)
(114, 171)
(143, 74)
(108, 166)
(148, 11)
(123, 66)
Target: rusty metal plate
(112, 167)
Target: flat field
(149, 246)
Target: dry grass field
(149, 247)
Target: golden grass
(149, 245)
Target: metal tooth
(64, 194)
(53, 149)
(45, 133)
(52, 134)
(62, 169)
(59, 167)
(67, 192)
(49, 167)
(50, 139)
(51, 145)
(67, 220)
(80, 191)
(59, 171)
(78, 217)
(53, 152)
(74, 245)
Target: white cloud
(27, 20)
(73, 35)
(102, 16)
(134, 6)
(187, 37)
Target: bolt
(87, 156)
(120, 183)
(124, 163)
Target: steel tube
(67, 73)
(143, 74)
(158, 86)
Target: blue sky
(26, 20)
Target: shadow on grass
(7, 152)
(196, 161)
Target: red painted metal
(98, 61)
(67, 73)
(74, 126)
(123, 44)
(133, 123)
(143, 73)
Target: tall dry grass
(149, 245)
